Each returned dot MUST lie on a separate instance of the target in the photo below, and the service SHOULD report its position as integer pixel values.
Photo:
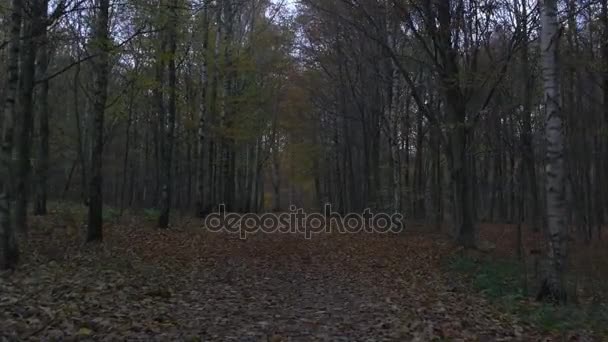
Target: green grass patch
(502, 282)
(151, 214)
(78, 212)
(110, 214)
(496, 279)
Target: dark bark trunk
(9, 256)
(169, 121)
(125, 164)
(42, 167)
(102, 68)
(200, 174)
(31, 30)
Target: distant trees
(449, 59)
(188, 116)
(459, 143)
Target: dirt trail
(145, 285)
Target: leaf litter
(142, 284)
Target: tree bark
(101, 46)
(553, 287)
(605, 86)
(526, 136)
(31, 30)
(459, 131)
(125, 165)
(169, 121)
(9, 255)
(200, 174)
(42, 96)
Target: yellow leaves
(84, 332)
(296, 100)
(189, 123)
(276, 338)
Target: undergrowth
(503, 283)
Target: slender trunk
(159, 141)
(200, 174)
(189, 158)
(101, 71)
(228, 145)
(68, 181)
(553, 283)
(214, 179)
(605, 87)
(436, 176)
(169, 122)
(276, 177)
(80, 135)
(526, 136)
(257, 169)
(419, 210)
(23, 141)
(512, 177)
(42, 166)
(407, 152)
(9, 255)
(125, 165)
(395, 122)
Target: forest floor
(188, 284)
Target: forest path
(144, 284)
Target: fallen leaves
(142, 284)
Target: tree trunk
(526, 136)
(169, 121)
(605, 87)
(553, 287)
(9, 255)
(200, 174)
(25, 125)
(395, 145)
(81, 138)
(101, 69)
(459, 170)
(125, 164)
(42, 166)
(418, 187)
(276, 170)
(226, 117)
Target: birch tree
(553, 286)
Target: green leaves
(501, 280)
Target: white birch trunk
(553, 284)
